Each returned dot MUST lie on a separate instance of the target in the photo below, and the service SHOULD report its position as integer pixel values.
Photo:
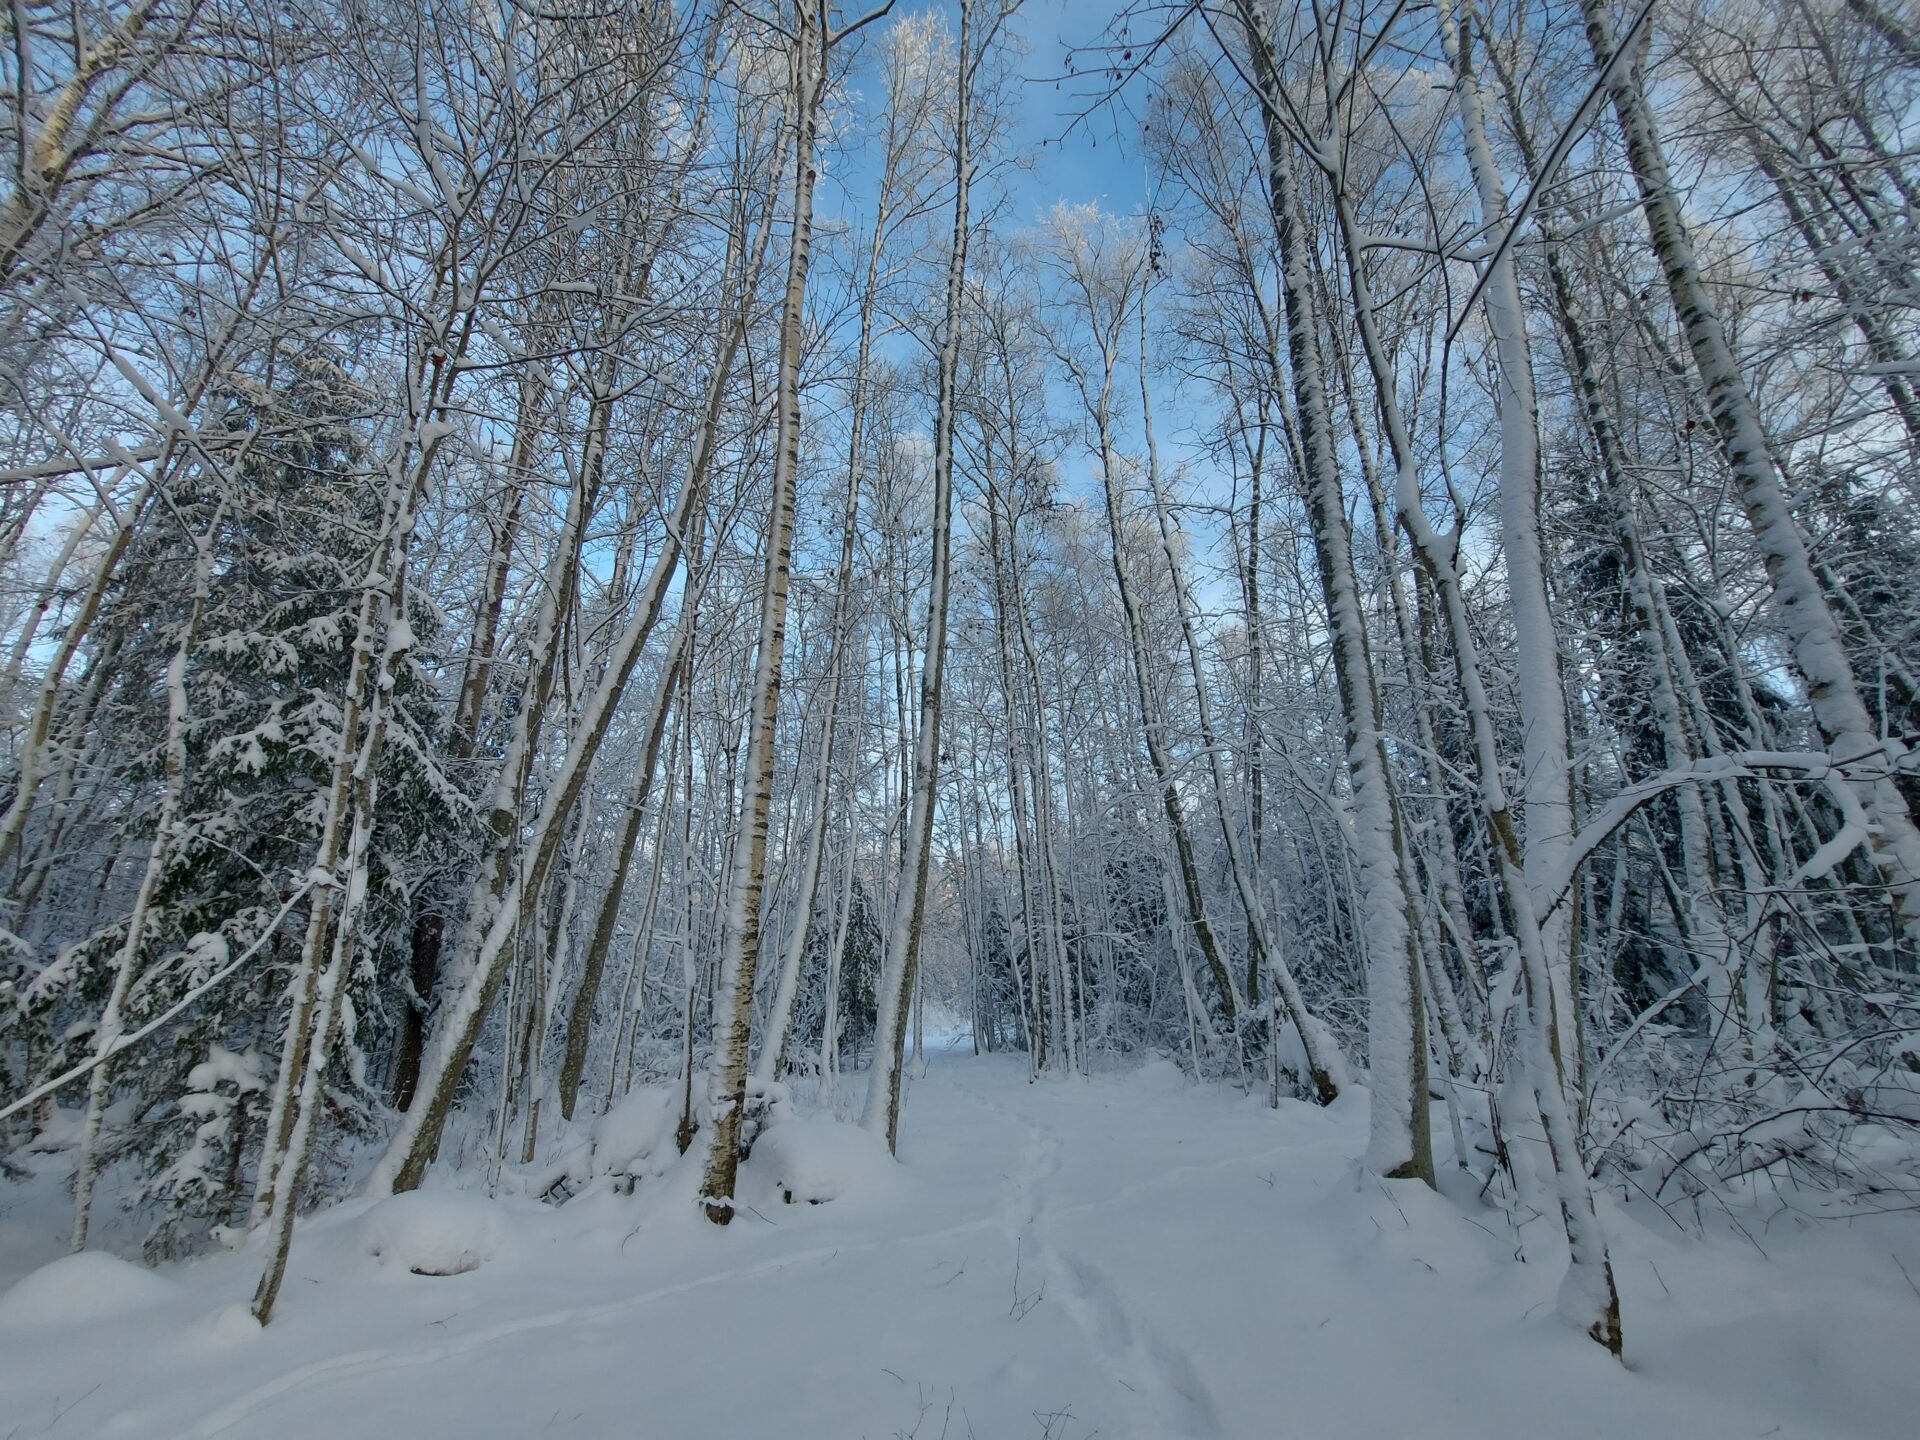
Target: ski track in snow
(1183, 1266)
(1162, 1389)
(377, 1362)
(1165, 1394)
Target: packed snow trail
(1138, 1257)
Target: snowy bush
(200, 1186)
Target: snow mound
(639, 1138)
(79, 1289)
(227, 1326)
(433, 1232)
(636, 1137)
(1293, 1055)
(1161, 1074)
(815, 1159)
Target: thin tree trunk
(882, 1110)
(740, 945)
(580, 1010)
(1587, 1296)
(1267, 954)
(1813, 636)
(1400, 1141)
(127, 964)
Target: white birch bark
(1551, 1043)
(773, 1045)
(112, 1023)
(407, 467)
(881, 1113)
(1399, 1136)
(808, 60)
(1545, 764)
(1800, 605)
(331, 984)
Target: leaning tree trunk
(1712, 931)
(1801, 607)
(1400, 1142)
(349, 823)
(330, 987)
(429, 932)
(31, 763)
(1588, 1296)
(586, 990)
(112, 1022)
(481, 970)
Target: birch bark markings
(1813, 635)
(906, 116)
(1400, 1130)
(773, 1045)
(1551, 1041)
(881, 1112)
(808, 60)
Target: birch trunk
(478, 976)
(1801, 607)
(881, 1113)
(1400, 1140)
(740, 945)
(407, 470)
(126, 966)
(1588, 1297)
(331, 986)
(773, 1045)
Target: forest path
(1132, 1259)
(1166, 1393)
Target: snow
(79, 1289)
(812, 1160)
(1137, 1256)
(429, 1232)
(636, 1136)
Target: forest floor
(1137, 1256)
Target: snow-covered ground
(1129, 1257)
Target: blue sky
(1095, 158)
